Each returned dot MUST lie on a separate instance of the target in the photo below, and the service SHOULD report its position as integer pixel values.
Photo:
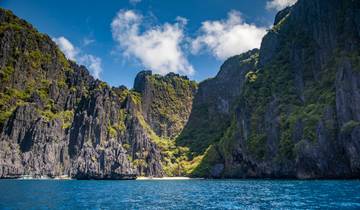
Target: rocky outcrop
(296, 112)
(213, 103)
(166, 101)
(288, 110)
(56, 119)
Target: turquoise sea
(185, 194)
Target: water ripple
(185, 194)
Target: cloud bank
(159, 48)
(225, 38)
(67, 47)
(279, 4)
(92, 62)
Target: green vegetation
(103, 85)
(4, 115)
(61, 83)
(281, 23)
(66, 117)
(206, 162)
(62, 60)
(14, 23)
(219, 152)
(273, 89)
(35, 58)
(119, 127)
(112, 132)
(10, 26)
(127, 147)
(5, 73)
(171, 94)
(228, 141)
(286, 144)
(251, 76)
(256, 144)
(73, 89)
(348, 127)
(203, 130)
(275, 84)
(9, 100)
(172, 97)
(135, 97)
(207, 125)
(287, 90)
(175, 159)
(139, 163)
(175, 91)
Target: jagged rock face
(298, 115)
(55, 119)
(166, 101)
(288, 110)
(212, 108)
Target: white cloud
(92, 62)
(87, 41)
(279, 4)
(158, 48)
(228, 37)
(67, 47)
(181, 20)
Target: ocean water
(185, 194)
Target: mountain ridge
(290, 118)
(57, 119)
(286, 110)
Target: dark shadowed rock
(288, 110)
(56, 119)
(295, 114)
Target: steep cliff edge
(288, 110)
(55, 119)
(166, 101)
(295, 113)
(213, 104)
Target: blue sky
(116, 39)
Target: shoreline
(167, 178)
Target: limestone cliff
(290, 109)
(295, 113)
(56, 119)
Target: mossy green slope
(94, 130)
(292, 118)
